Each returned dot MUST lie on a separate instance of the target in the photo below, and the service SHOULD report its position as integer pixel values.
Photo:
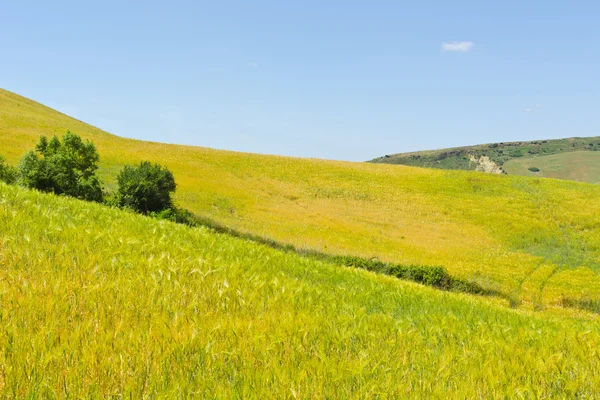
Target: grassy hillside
(535, 240)
(96, 302)
(507, 156)
(583, 166)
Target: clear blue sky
(331, 79)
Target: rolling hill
(102, 303)
(97, 302)
(573, 158)
(534, 240)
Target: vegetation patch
(437, 277)
(587, 304)
(62, 167)
(8, 174)
(145, 188)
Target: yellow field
(535, 240)
(102, 303)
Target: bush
(67, 167)
(373, 265)
(177, 215)
(146, 188)
(8, 174)
(534, 169)
(430, 276)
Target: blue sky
(331, 79)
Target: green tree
(145, 188)
(8, 174)
(68, 167)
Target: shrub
(534, 169)
(461, 285)
(145, 188)
(177, 215)
(8, 174)
(431, 276)
(67, 167)
(427, 275)
(373, 265)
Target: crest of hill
(534, 240)
(575, 158)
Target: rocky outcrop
(484, 164)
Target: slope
(583, 166)
(99, 303)
(535, 240)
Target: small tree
(67, 167)
(145, 188)
(8, 174)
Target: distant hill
(575, 158)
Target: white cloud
(536, 108)
(457, 47)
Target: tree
(8, 174)
(145, 188)
(68, 167)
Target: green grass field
(583, 166)
(534, 240)
(100, 303)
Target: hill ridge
(566, 158)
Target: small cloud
(532, 109)
(253, 65)
(457, 47)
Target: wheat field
(534, 240)
(101, 303)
